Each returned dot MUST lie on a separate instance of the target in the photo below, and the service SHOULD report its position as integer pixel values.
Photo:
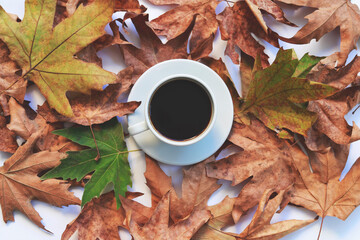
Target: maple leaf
(265, 162)
(24, 122)
(96, 108)
(176, 21)
(11, 84)
(259, 228)
(8, 141)
(196, 188)
(158, 225)
(45, 54)
(112, 167)
(152, 50)
(91, 223)
(236, 24)
(320, 189)
(329, 15)
(276, 91)
(19, 183)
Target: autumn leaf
(129, 6)
(237, 24)
(19, 183)
(96, 108)
(175, 22)
(99, 219)
(11, 84)
(260, 227)
(8, 141)
(265, 163)
(112, 167)
(158, 225)
(275, 92)
(45, 54)
(152, 50)
(196, 188)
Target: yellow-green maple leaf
(46, 53)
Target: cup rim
(186, 141)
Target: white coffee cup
(148, 125)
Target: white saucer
(182, 155)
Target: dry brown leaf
(152, 50)
(196, 188)
(19, 183)
(8, 141)
(176, 21)
(259, 227)
(329, 15)
(158, 225)
(99, 219)
(265, 162)
(97, 108)
(246, 66)
(11, 84)
(237, 23)
(129, 6)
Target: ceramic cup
(147, 123)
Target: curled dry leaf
(329, 14)
(97, 108)
(19, 183)
(158, 225)
(259, 227)
(46, 54)
(196, 188)
(176, 21)
(152, 50)
(237, 23)
(11, 84)
(129, 6)
(8, 141)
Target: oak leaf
(259, 228)
(152, 50)
(197, 188)
(113, 166)
(276, 91)
(265, 162)
(96, 108)
(45, 54)
(237, 24)
(19, 183)
(158, 225)
(329, 14)
(8, 141)
(176, 21)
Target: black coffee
(180, 109)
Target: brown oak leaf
(237, 23)
(97, 108)
(8, 141)
(99, 219)
(260, 227)
(158, 225)
(152, 50)
(11, 84)
(176, 21)
(329, 14)
(19, 182)
(196, 188)
(265, 162)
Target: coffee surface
(180, 109)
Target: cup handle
(138, 128)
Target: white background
(55, 219)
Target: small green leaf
(276, 91)
(113, 166)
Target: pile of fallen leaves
(289, 128)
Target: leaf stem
(356, 109)
(97, 149)
(322, 221)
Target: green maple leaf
(46, 53)
(113, 166)
(276, 93)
